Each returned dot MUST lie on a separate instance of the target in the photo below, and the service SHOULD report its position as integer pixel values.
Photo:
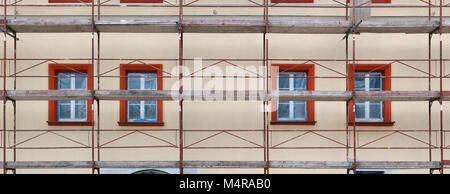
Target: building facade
(142, 47)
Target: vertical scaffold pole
(441, 170)
(180, 80)
(266, 86)
(92, 89)
(430, 103)
(347, 145)
(353, 80)
(347, 104)
(15, 103)
(98, 101)
(5, 30)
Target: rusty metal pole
(429, 10)
(98, 100)
(353, 96)
(180, 80)
(266, 86)
(92, 89)
(98, 9)
(347, 117)
(15, 103)
(5, 30)
(430, 103)
(441, 170)
(347, 88)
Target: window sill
(69, 123)
(389, 123)
(293, 122)
(140, 123)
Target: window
(70, 1)
(141, 77)
(72, 110)
(292, 1)
(369, 111)
(293, 77)
(141, 111)
(371, 77)
(70, 77)
(292, 110)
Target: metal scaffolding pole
(353, 81)
(441, 170)
(5, 31)
(266, 87)
(15, 103)
(180, 79)
(92, 86)
(430, 103)
(98, 101)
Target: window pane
(150, 112)
(375, 110)
(360, 110)
(64, 111)
(150, 83)
(359, 82)
(80, 111)
(283, 111)
(300, 83)
(64, 81)
(283, 82)
(134, 83)
(80, 82)
(300, 110)
(134, 112)
(375, 83)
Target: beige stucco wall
(225, 115)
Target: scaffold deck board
(172, 95)
(224, 164)
(222, 24)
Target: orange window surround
(127, 68)
(53, 70)
(292, 1)
(69, 1)
(309, 70)
(141, 1)
(385, 69)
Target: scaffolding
(96, 24)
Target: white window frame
(292, 113)
(367, 118)
(72, 102)
(142, 102)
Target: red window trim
(141, 1)
(376, 1)
(386, 70)
(309, 69)
(292, 1)
(124, 69)
(69, 1)
(53, 70)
